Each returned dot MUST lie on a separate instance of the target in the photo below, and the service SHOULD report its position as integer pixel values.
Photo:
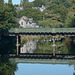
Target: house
(26, 22)
(40, 8)
(19, 8)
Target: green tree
(50, 23)
(72, 1)
(39, 3)
(23, 2)
(62, 11)
(7, 19)
(31, 13)
(7, 68)
(28, 4)
(10, 1)
(70, 19)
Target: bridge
(42, 61)
(40, 31)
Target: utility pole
(54, 45)
(17, 45)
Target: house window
(21, 23)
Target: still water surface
(44, 69)
(37, 67)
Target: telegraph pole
(17, 45)
(54, 45)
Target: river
(37, 67)
(20, 66)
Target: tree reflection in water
(64, 45)
(7, 67)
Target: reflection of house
(40, 8)
(26, 22)
(29, 47)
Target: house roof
(25, 19)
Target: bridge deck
(42, 30)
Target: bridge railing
(42, 30)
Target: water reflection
(17, 66)
(7, 67)
(28, 47)
(63, 45)
(45, 67)
(43, 45)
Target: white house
(40, 8)
(19, 8)
(26, 22)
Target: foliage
(10, 1)
(50, 23)
(23, 2)
(31, 13)
(70, 20)
(65, 46)
(7, 68)
(28, 4)
(7, 19)
(7, 45)
(56, 13)
(39, 3)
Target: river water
(44, 69)
(19, 66)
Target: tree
(39, 3)
(25, 1)
(7, 19)
(70, 19)
(1, 12)
(7, 67)
(10, 1)
(31, 13)
(50, 23)
(28, 4)
(72, 1)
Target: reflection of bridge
(42, 61)
(41, 31)
(41, 56)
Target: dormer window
(21, 23)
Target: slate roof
(25, 19)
